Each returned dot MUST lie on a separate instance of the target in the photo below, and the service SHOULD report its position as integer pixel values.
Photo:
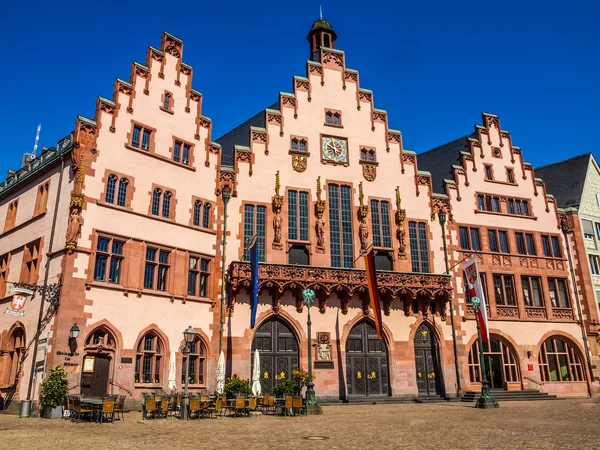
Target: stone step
(511, 396)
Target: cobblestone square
(565, 424)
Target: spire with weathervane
(320, 35)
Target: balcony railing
(281, 277)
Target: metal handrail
(114, 383)
(539, 383)
(75, 386)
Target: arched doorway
(366, 362)
(501, 363)
(427, 362)
(278, 348)
(100, 346)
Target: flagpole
(486, 400)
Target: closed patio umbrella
(172, 372)
(220, 373)
(256, 389)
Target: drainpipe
(46, 275)
(565, 230)
(442, 216)
(226, 195)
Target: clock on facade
(334, 149)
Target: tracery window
(148, 359)
(340, 226)
(380, 219)
(298, 215)
(255, 224)
(419, 251)
(197, 356)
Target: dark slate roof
(322, 24)
(439, 160)
(240, 135)
(565, 179)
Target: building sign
(16, 305)
(88, 364)
(530, 367)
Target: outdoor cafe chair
(213, 411)
(298, 406)
(240, 405)
(225, 408)
(69, 407)
(194, 409)
(269, 404)
(79, 410)
(289, 406)
(252, 406)
(107, 410)
(164, 407)
(150, 407)
(172, 408)
(120, 407)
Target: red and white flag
(476, 290)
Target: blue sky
(433, 65)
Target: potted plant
(54, 393)
(285, 387)
(300, 377)
(237, 386)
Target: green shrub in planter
(237, 386)
(54, 392)
(285, 387)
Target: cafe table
(95, 403)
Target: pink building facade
(319, 179)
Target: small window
(298, 255)
(337, 119)
(588, 229)
(383, 261)
(530, 244)
(333, 118)
(198, 276)
(166, 208)
(556, 247)
(109, 256)
(206, 215)
(504, 290)
(488, 173)
(295, 145)
(520, 240)
(197, 211)
(303, 145)
(122, 193)
(110, 189)
(167, 102)
(503, 241)
(329, 118)
(557, 288)
(546, 246)
(181, 152)
(41, 200)
(595, 264)
(532, 291)
(510, 175)
(597, 230)
(156, 269)
(156, 197)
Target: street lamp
(312, 407)
(188, 335)
(73, 333)
(226, 195)
(486, 400)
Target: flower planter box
(52, 413)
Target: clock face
(334, 149)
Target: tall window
(551, 245)
(488, 172)
(161, 203)
(504, 290)
(148, 359)
(4, 266)
(520, 239)
(141, 137)
(41, 200)
(206, 215)
(560, 361)
(498, 241)
(31, 262)
(122, 193)
(109, 256)
(181, 152)
(198, 276)
(530, 244)
(510, 175)
(532, 291)
(469, 238)
(197, 211)
(16, 342)
(111, 186)
(255, 224)
(197, 355)
(298, 215)
(419, 252)
(594, 264)
(156, 269)
(380, 218)
(340, 226)
(557, 288)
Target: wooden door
(366, 362)
(95, 383)
(427, 362)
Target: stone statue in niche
(277, 223)
(319, 221)
(277, 219)
(73, 226)
(363, 228)
(323, 346)
(320, 230)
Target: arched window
(295, 145)
(559, 360)
(371, 155)
(206, 215)
(197, 208)
(100, 337)
(336, 119)
(197, 355)
(14, 352)
(148, 360)
(167, 102)
(122, 193)
(501, 361)
(303, 145)
(110, 189)
(166, 208)
(328, 118)
(156, 201)
(363, 154)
